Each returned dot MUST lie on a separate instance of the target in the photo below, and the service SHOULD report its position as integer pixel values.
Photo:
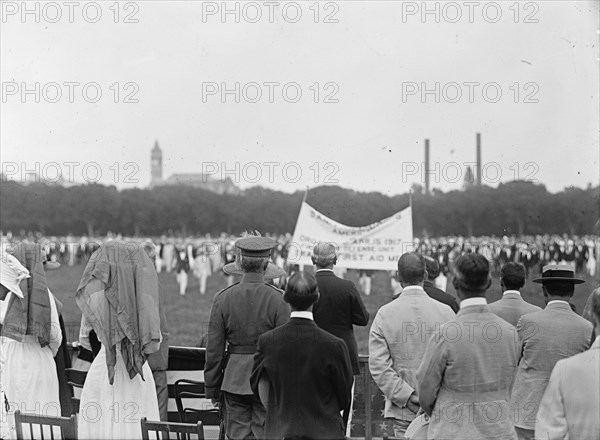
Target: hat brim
(273, 271)
(51, 265)
(545, 280)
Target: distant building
(469, 180)
(196, 180)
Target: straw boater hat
(558, 272)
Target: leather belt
(241, 349)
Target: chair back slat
(67, 425)
(181, 430)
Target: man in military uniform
(240, 314)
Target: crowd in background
(203, 256)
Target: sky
(288, 95)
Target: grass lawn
(188, 315)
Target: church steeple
(156, 164)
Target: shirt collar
(511, 291)
(304, 314)
(558, 301)
(479, 301)
(323, 270)
(413, 289)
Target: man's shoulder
(223, 292)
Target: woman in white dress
(30, 335)
(118, 298)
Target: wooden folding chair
(67, 425)
(75, 378)
(183, 431)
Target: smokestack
(478, 159)
(427, 166)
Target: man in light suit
(307, 370)
(397, 341)
(570, 407)
(469, 364)
(512, 306)
(545, 337)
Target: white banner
(374, 247)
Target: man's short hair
(433, 268)
(411, 268)
(513, 275)
(253, 264)
(559, 288)
(472, 274)
(324, 254)
(301, 291)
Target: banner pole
(305, 195)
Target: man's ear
(266, 265)
(334, 260)
(489, 283)
(314, 261)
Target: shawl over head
(29, 315)
(118, 296)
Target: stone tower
(156, 164)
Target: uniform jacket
(511, 307)
(240, 314)
(465, 377)
(397, 341)
(545, 337)
(310, 381)
(338, 309)
(570, 407)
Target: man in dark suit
(240, 314)
(339, 306)
(433, 271)
(512, 306)
(306, 370)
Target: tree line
(517, 207)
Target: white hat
(12, 272)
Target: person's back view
(568, 409)
(469, 364)
(118, 297)
(340, 305)
(307, 371)
(512, 306)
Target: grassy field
(188, 315)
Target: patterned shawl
(29, 315)
(118, 296)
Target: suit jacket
(240, 314)
(441, 296)
(397, 342)
(545, 337)
(511, 307)
(465, 377)
(338, 308)
(310, 381)
(569, 407)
